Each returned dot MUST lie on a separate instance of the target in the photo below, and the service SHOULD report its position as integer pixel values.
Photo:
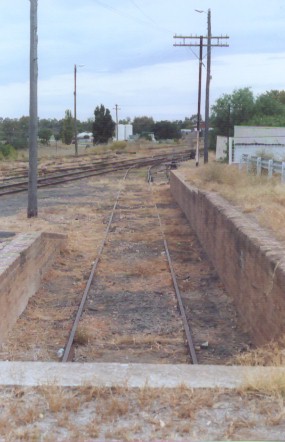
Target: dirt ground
(51, 414)
(130, 316)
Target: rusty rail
(67, 352)
(87, 171)
(187, 330)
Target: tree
(67, 128)
(235, 109)
(269, 104)
(143, 125)
(103, 126)
(164, 130)
(45, 135)
(191, 123)
(125, 121)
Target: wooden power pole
(33, 124)
(198, 41)
(117, 121)
(75, 112)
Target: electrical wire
(147, 21)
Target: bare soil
(131, 314)
(133, 268)
(51, 414)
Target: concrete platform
(24, 258)
(132, 375)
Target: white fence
(258, 164)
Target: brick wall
(250, 263)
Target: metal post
(270, 168)
(33, 123)
(75, 116)
(283, 172)
(199, 99)
(258, 166)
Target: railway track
(137, 319)
(16, 184)
(130, 312)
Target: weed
(93, 428)
(237, 425)
(269, 384)
(271, 354)
(118, 145)
(81, 337)
(263, 198)
(116, 407)
(59, 399)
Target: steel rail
(187, 330)
(67, 352)
(8, 189)
(98, 162)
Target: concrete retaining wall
(249, 262)
(22, 264)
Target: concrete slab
(132, 375)
(23, 261)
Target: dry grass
(137, 414)
(236, 425)
(270, 384)
(59, 399)
(152, 340)
(82, 336)
(271, 354)
(262, 198)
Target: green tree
(143, 125)
(230, 110)
(125, 121)
(269, 104)
(45, 135)
(103, 126)
(164, 130)
(67, 128)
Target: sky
(125, 55)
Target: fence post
(270, 168)
(283, 172)
(241, 161)
(248, 165)
(258, 166)
(230, 150)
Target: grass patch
(269, 384)
(264, 199)
(271, 354)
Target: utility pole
(117, 121)
(199, 100)
(212, 41)
(75, 108)
(75, 113)
(207, 98)
(33, 123)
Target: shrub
(118, 145)
(7, 151)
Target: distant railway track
(16, 184)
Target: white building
(259, 141)
(125, 131)
(85, 138)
